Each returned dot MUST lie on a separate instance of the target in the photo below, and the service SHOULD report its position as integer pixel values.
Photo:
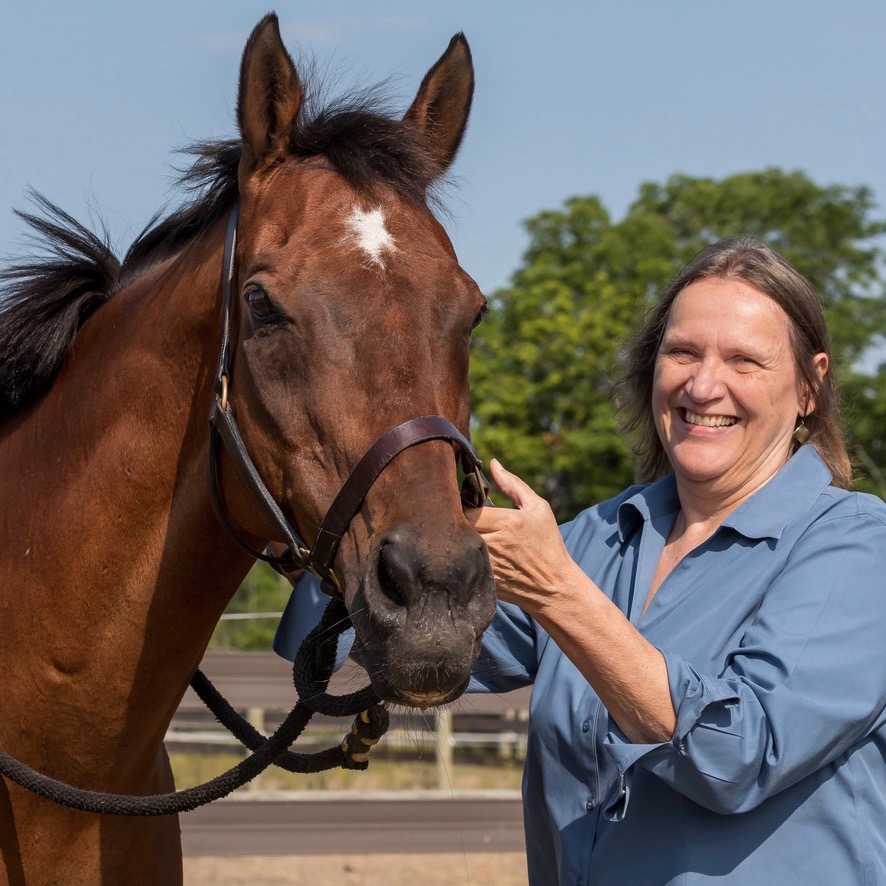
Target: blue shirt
(773, 633)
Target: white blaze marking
(370, 232)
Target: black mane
(47, 297)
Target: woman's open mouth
(707, 421)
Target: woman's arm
(533, 569)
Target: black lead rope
(315, 657)
(312, 670)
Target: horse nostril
(395, 575)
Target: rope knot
(368, 727)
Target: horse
(350, 315)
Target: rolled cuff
(697, 700)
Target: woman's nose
(706, 382)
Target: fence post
(445, 743)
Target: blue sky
(572, 98)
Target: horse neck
(125, 561)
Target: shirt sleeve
(508, 657)
(804, 685)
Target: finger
(520, 493)
(488, 520)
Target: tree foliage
(546, 357)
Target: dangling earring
(801, 433)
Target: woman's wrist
(568, 601)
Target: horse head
(351, 315)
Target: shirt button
(590, 805)
(586, 726)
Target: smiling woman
(779, 299)
(726, 392)
(709, 697)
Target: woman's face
(727, 393)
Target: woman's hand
(531, 565)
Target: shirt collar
(647, 502)
(788, 494)
(764, 515)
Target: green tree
(546, 358)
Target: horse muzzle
(420, 613)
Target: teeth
(710, 421)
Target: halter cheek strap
(319, 557)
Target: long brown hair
(765, 270)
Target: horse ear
(441, 107)
(270, 95)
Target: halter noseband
(319, 557)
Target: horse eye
(260, 304)
(478, 317)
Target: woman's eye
(260, 304)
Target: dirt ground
(451, 869)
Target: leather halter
(319, 557)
